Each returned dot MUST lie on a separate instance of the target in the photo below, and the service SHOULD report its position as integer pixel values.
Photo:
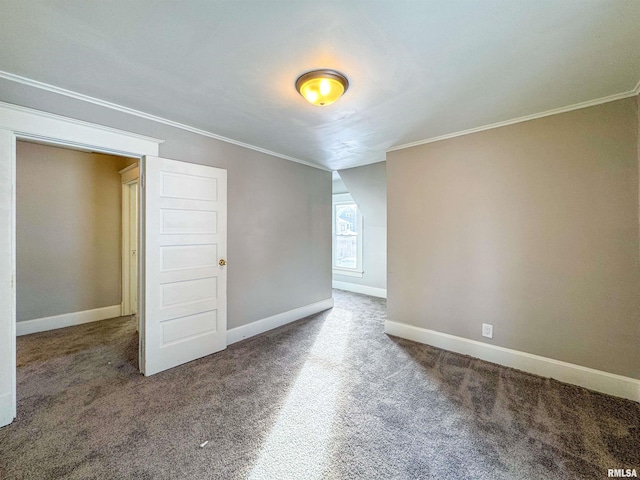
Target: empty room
(320, 240)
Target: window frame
(358, 271)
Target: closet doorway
(69, 249)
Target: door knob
(222, 262)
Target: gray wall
(532, 227)
(279, 212)
(68, 230)
(368, 187)
(338, 185)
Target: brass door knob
(222, 262)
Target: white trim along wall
(129, 176)
(7, 277)
(66, 320)
(264, 325)
(597, 380)
(526, 118)
(25, 123)
(119, 108)
(364, 289)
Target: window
(347, 236)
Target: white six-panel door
(184, 225)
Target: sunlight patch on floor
(297, 447)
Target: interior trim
(6, 406)
(347, 273)
(264, 325)
(18, 123)
(66, 320)
(103, 103)
(113, 106)
(597, 380)
(364, 289)
(49, 128)
(526, 118)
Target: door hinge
(141, 181)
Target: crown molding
(8, 108)
(113, 106)
(526, 118)
(361, 164)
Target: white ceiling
(417, 69)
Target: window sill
(348, 273)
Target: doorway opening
(182, 240)
(69, 253)
(20, 123)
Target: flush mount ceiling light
(322, 87)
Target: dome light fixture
(322, 87)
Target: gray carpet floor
(328, 397)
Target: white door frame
(129, 176)
(24, 123)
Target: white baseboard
(353, 287)
(66, 320)
(260, 326)
(597, 380)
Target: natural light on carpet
(297, 447)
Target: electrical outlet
(487, 330)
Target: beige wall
(531, 227)
(68, 230)
(279, 212)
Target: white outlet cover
(487, 330)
